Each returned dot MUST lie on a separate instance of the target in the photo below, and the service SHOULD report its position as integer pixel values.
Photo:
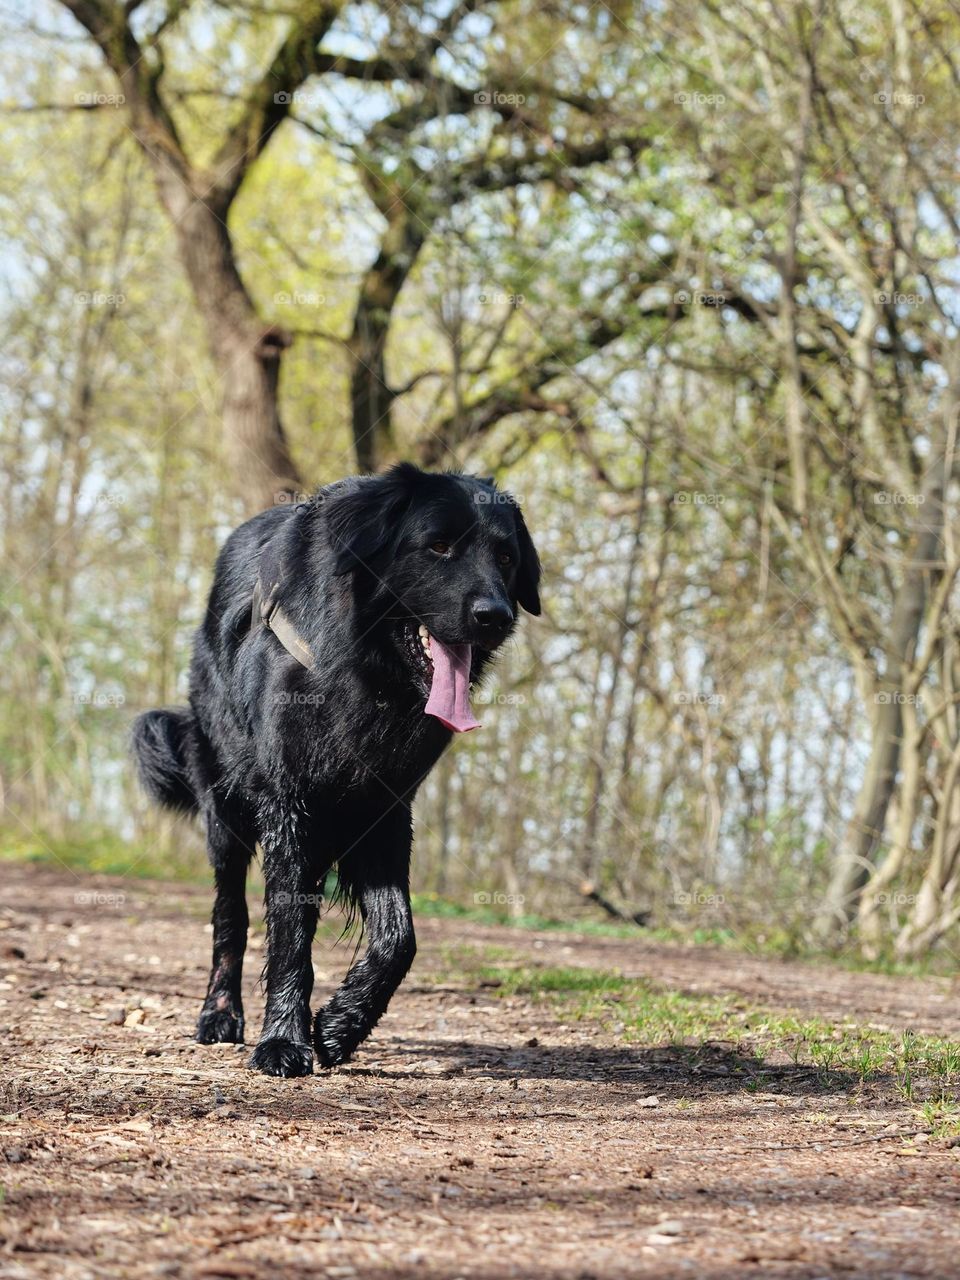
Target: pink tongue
(449, 697)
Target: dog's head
(441, 565)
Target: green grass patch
(757, 1039)
(432, 904)
(942, 1117)
(106, 853)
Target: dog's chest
(372, 745)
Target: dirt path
(474, 1136)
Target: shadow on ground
(676, 1068)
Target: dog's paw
(330, 1052)
(282, 1058)
(220, 1026)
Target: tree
(199, 182)
(854, 293)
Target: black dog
(334, 662)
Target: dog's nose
(493, 615)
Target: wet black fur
(320, 767)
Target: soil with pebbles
(474, 1135)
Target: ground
(497, 1123)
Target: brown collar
(266, 608)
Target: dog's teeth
(423, 631)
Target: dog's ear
(364, 521)
(528, 570)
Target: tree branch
(269, 103)
(138, 74)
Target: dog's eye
(441, 548)
(505, 558)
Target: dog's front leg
(293, 902)
(376, 873)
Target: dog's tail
(158, 741)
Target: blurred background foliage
(683, 277)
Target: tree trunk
(854, 859)
(589, 857)
(197, 199)
(934, 911)
(885, 873)
(246, 352)
(371, 398)
(864, 832)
